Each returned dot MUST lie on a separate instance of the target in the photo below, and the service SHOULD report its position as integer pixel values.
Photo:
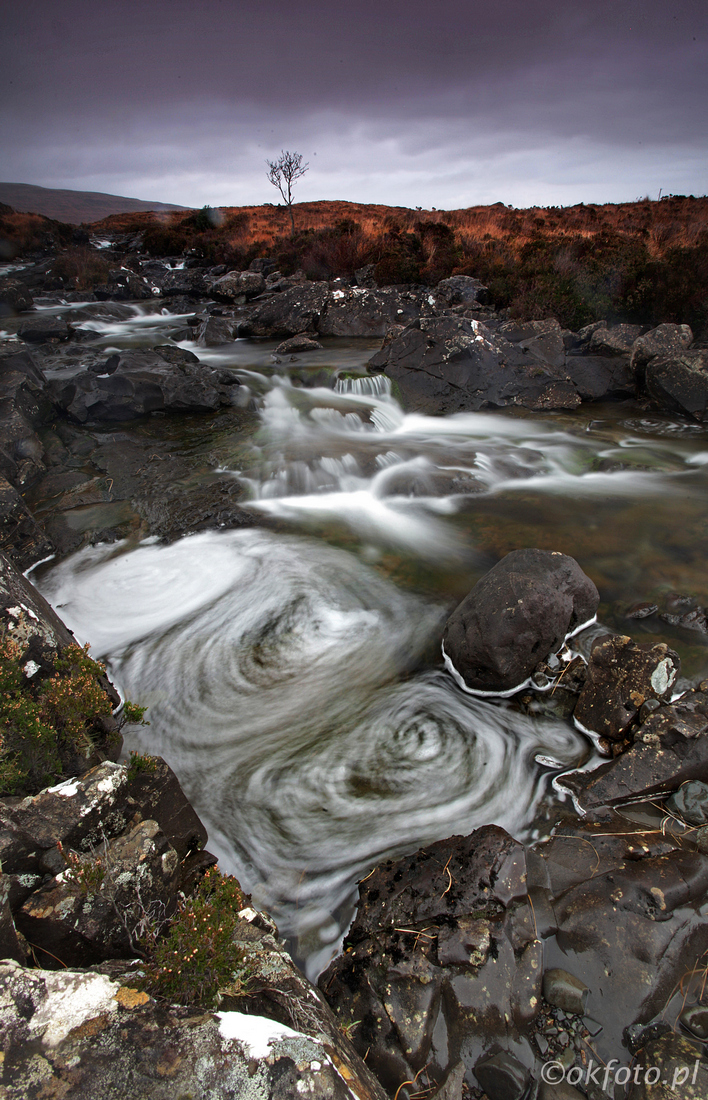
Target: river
(292, 669)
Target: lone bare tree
(282, 173)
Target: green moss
(198, 954)
(38, 721)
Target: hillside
(644, 261)
(73, 207)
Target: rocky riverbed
(525, 818)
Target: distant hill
(73, 207)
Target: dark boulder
(182, 283)
(297, 309)
(124, 286)
(141, 382)
(667, 1068)
(660, 342)
(237, 284)
(461, 290)
(15, 297)
(447, 364)
(361, 312)
(621, 677)
(597, 377)
(613, 339)
(514, 617)
(679, 382)
(43, 329)
(295, 344)
(542, 340)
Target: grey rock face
(297, 309)
(85, 1036)
(679, 382)
(364, 312)
(448, 364)
(515, 616)
(664, 340)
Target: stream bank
(385, 505)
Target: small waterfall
(376, 385)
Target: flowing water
(293, 671)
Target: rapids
(293, 671)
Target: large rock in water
(449, 364)
(517, 614)
(679, 382)
(136, 383)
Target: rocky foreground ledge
(471, 966)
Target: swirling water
(292, 670)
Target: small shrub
(139, 763)
(44, 722)
(82, 268)
(87, 873)
(198, 954)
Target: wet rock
(451, 1088)
(621, 676)
(124, 286)
(43, 329)
(517, 614)
(664, 340)
(502, 1076)
(565, 991)
(301, 342)
(142, 382)
(669, 748)
(430, 953)
(641, 611)
(695, 1018)
(677, 1070)
(679, 382)
(560, 1091)
(80, 1034)
(15, 297)
(690, 802)
(447, 364)
(215, 331)
(361, 312)
(297, 309)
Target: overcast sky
(404, 102)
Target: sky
(442, 104)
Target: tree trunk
(292, 220)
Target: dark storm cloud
(412, 95)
